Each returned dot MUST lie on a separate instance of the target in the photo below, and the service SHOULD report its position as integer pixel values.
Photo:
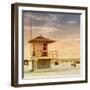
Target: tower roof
(41, 39)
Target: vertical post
(31, 56)
(30, 35)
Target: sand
(64, 69)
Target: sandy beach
(64, 69)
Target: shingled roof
(41, 39)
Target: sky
(62, 27)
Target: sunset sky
(62, 27)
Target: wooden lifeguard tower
(41, 58)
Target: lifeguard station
(41, 57)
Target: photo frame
(48, 44)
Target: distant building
(40, 55)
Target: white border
(82, 47)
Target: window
(44, 53)
(44, 46)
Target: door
(43, 64)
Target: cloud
(43, 19)
(71, 22)
(54, 25)
(45, 22)
(44, 30)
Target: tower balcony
(43, 53)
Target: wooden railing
(40, 53)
